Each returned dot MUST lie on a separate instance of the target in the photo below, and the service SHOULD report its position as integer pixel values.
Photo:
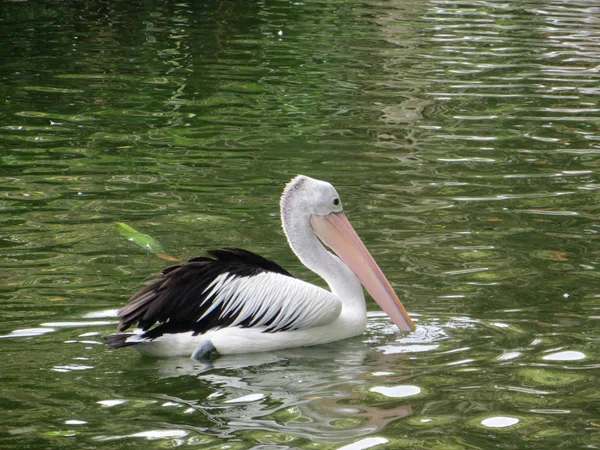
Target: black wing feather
(175, 300)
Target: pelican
(235, 301)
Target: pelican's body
(239, 302)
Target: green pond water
(463, 137)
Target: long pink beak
(336, 232)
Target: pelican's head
(309, 196)
(322, 206)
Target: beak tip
(407, 327)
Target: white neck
(311, 252)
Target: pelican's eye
(335, 201)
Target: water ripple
(463, 136)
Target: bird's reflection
(316, 391)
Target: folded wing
(232, 288)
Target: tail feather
(119, 340)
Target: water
(462, 136)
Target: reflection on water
(335, 393)
(319, 393)
(463, 137)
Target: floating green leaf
(145, 241)
(141, 239)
